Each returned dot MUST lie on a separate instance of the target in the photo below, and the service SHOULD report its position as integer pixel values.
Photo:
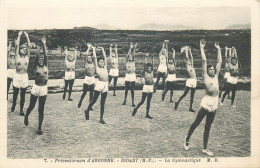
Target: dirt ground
(66, 133)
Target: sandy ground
(66, 133)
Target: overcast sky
(128, 15)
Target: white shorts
(130, 77)
(232, 80)
(101, 86)
(227, 75)
(10, 73)
(69, 75)
(39, 90)
(148, 88)
(171, 77)
(192, 83)
(162, 68)
(89, 80)
(20, 80)
(114, 72)
(209, 103)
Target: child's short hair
(100, 58)
(233, 58)
(12, 53)
(149, 65)
(40, 55)
(23, 46)
(170, 59)
(210, 65)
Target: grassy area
(66, 133)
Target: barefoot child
(130, 76)
(20, 78)
(39, 89)
(114, 71)
(191, 82)
(101, 85)
(148, 88)
(171, 77)
(88, 84)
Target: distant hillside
(239, 26)
(105, 27)
(163, 27)
(85, 27)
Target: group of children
(17, 73)
(97, 66)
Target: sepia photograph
(129, 83)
